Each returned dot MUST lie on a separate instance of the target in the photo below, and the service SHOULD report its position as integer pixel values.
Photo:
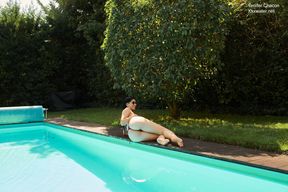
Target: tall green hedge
(58, 51)
(23, 75)
(254, 77)
(160, 49)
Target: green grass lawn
(260, 132)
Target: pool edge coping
(183, 151)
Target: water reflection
(138, 171)
(37, 142)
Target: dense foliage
(76, 32)
(22, 52)
(58, 51)
(160, 49)
(254, 77)
(169, 52)
(256, 60)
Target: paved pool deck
(222, 151)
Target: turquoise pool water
(41, 157)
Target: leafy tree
(160, 49)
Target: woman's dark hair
(128, 100)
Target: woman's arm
(127, 114)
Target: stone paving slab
(223, 151)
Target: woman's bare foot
(178, 141)
(162, 140)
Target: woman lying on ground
(142, 129)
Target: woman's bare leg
(167, 133)
(141, 123)
(138, 136)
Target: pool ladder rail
(45, 110)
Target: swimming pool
(43, 157)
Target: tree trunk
(174, 110)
